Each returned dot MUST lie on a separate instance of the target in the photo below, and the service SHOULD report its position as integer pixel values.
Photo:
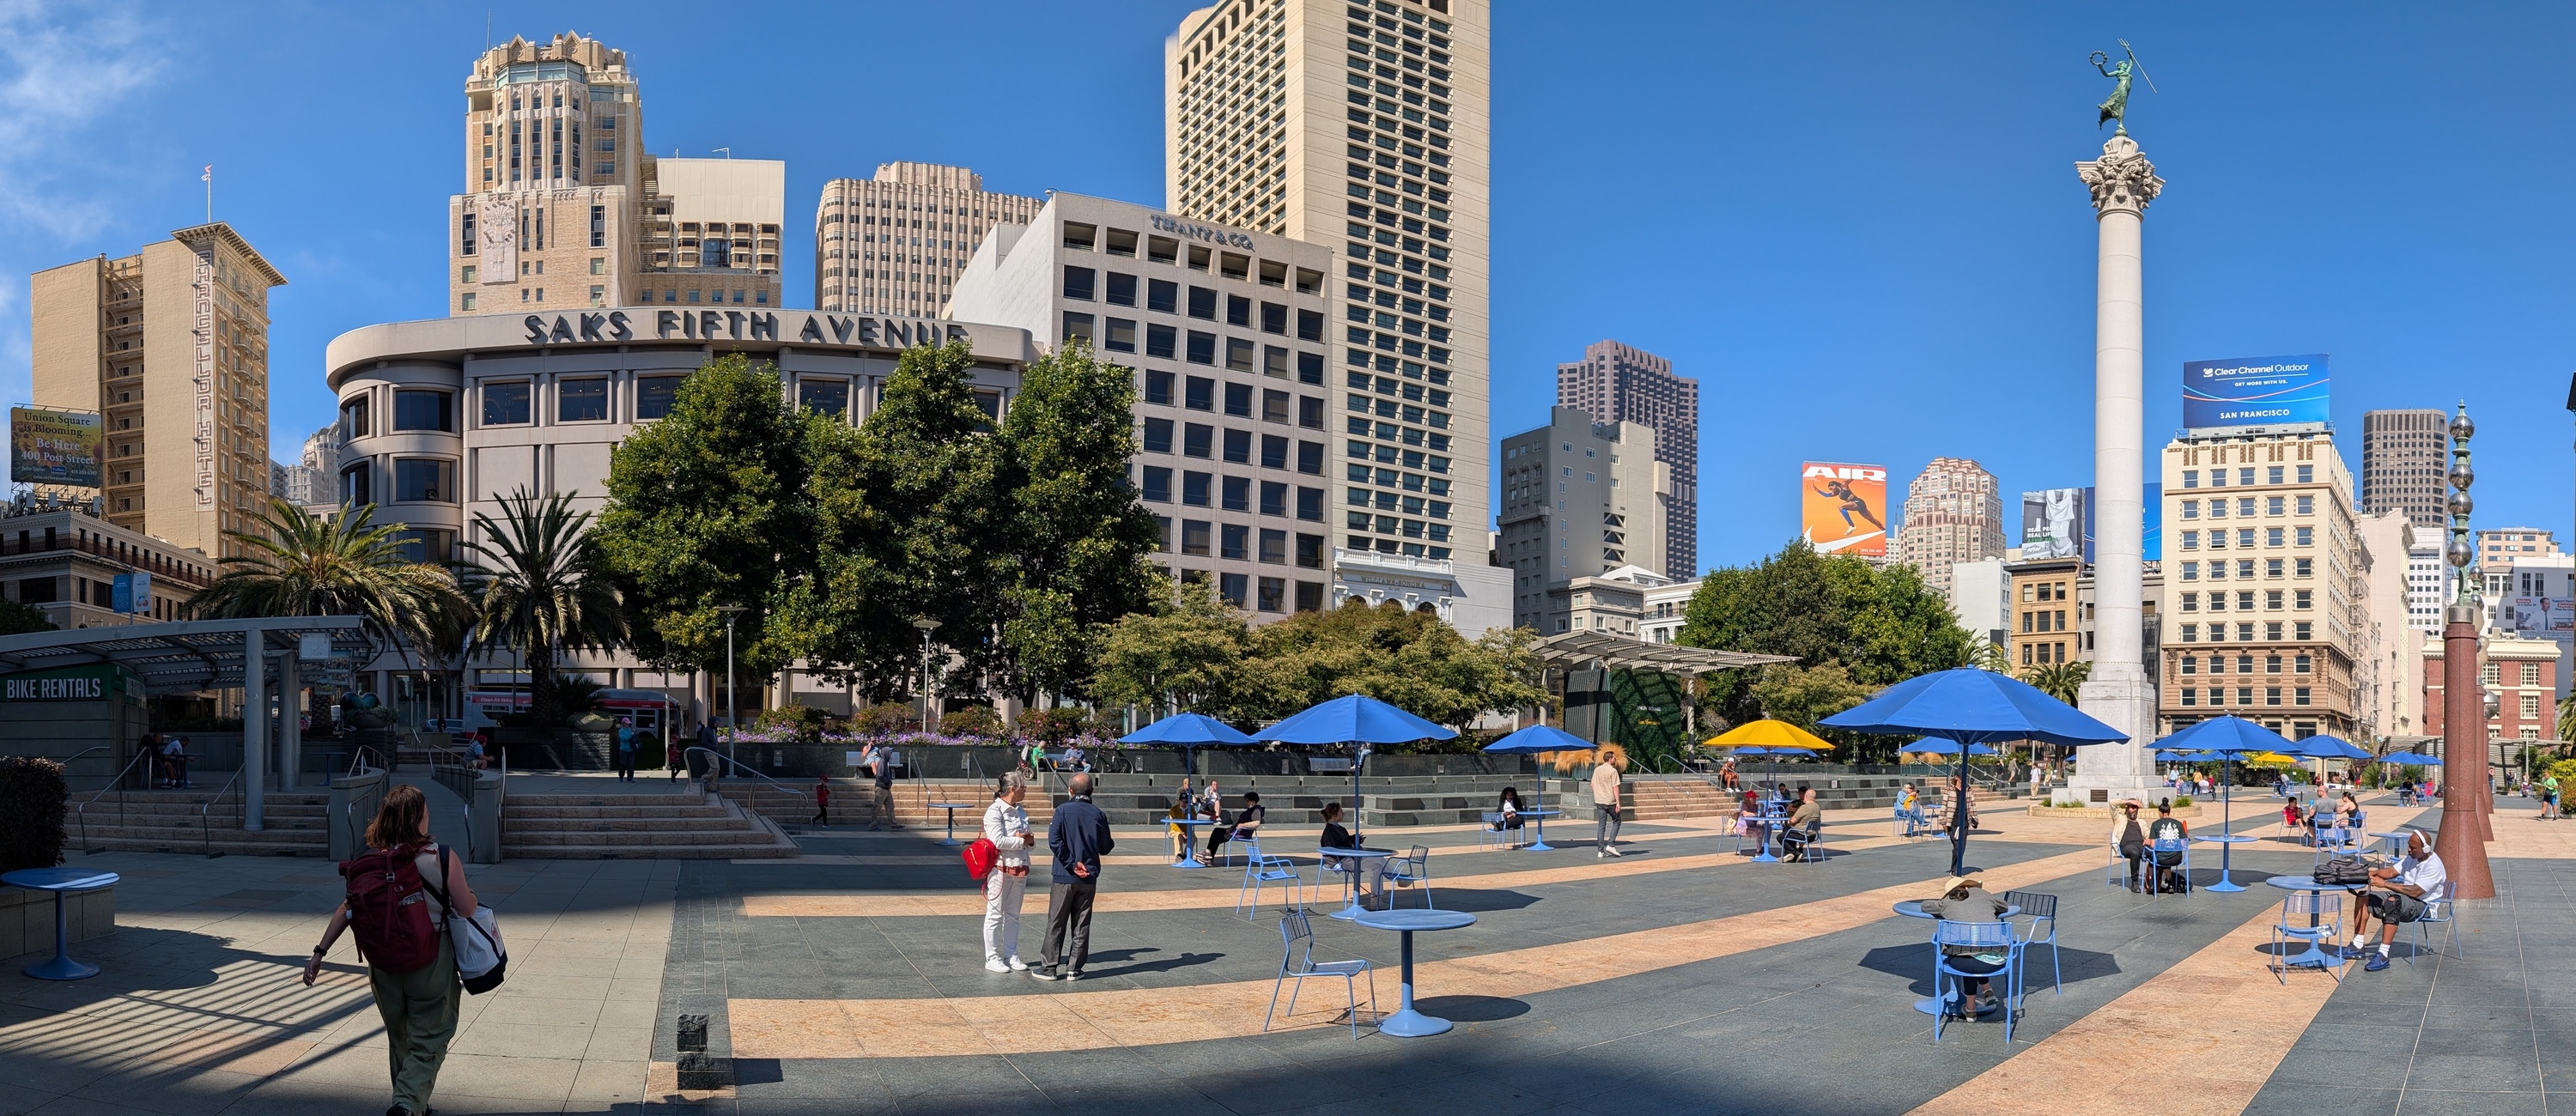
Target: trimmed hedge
(32, 793)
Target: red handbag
(979, 856)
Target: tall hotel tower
(1365, 125)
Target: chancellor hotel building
(1363, 126)
(2263, 569)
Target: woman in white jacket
(1006, 825)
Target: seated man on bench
(2397, 894)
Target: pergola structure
(1569, 650)
(196, 655)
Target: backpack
(2342, 871)
(980, 855)
(389, 909)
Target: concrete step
(697, 851)
(666, 826)
(226, 843)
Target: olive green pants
(419, 1010)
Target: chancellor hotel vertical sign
(204, 382)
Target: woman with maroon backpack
(400, 918)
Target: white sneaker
(1601, 854)
(995, 965)
(1615, 852)
(1017, 965)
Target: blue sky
(1858, 225)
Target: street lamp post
(927, 626)
(732, 716)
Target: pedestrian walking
(1006, 825)
(673, 757)
(401, 921)
(626, 749)
(879, 761)
(823, 801)
(1605, 809)
(2548, 796)
(1079, 838)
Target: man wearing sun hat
(1964, 899)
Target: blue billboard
(2254, 391)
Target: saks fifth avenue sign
(611, 326)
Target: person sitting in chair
(2128, 836)
(1806, 822)
(2397, 894)
(2167, 827)
(1247, 824)
(1509, 807)
(1368, 873)
(1965, 900)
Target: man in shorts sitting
(2397, 895)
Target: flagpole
(209, 178)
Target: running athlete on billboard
(1852, 503)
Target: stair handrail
(80, 813)
(737, 766)
(205, 814)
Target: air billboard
(2254, 391)
(1842, 508)
(55, 447)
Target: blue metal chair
(1412, 868)
(2441, 911)
(2118, 868)
(1996, 937)
(1271, 869)
(2156, 851)
(1490, 828)
(2323, 912)
(2332, 839)
(1293, 930)
(1810, 837)
(2038, 908)
(1248, 848)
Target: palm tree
(540, 587)
(347, 565)
(2059, 680)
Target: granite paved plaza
(1678, 978)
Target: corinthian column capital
(2122, 181)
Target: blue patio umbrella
(2226, 738)
(2411, 759)
(2326, 747)
(1359, 720)
(1972, 706)
(1935, 746)
(1535, 740)
(1190, 731)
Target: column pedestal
(2122, 699)
(2462, 841)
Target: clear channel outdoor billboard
(1842, 508)
(2254, 391)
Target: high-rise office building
(1365, 126)
(1617, 382)
(2270, 617)
(1580, 499)
(897, 243)
(170, 346)
(1954, 512)
(2428, 583)
(563, 208)
(2404, 456)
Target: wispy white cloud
(63, 67)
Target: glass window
(1310, 504)
(1310, 368)
(1158, 388)
(353, 419)
(1158, 435)
(1200, 394)
(1122, 289)
(2307, 536)
(1197, 439)
(1274, 498)
(1238, 310)
(1202, 348)
(1235, 494)
(1194, 537)
(1203, 303)
(1194, 488)
(1238, 400)
(1161, 341)
(1238, 354)
(1077, 327)
(426, 546)
(1273, 596)
(1310, 458)
(506, 404)
(425, 479)
(1238, 446)
(2307, 474)
(1274, 452)
(1119, 336)
(1234, 541)
(1158, 484)
(1234, 587)
(1163, 295)
(1310, 552)
(1274, 318)
(1078, 283)
(654, 395)
(424, 410)
(831, 397)
(356, 486)
(584, 400)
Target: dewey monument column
(2117, 693)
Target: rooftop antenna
(727, 152)
(209, 178)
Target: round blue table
(1538, 840)
(952, 808)
(1771, 824)
(1189, 841)
(1352, 910)
(2226, 842)
(1406, 1022)
(2396, 842)
(2315, 957)
(1913, 908)
(60, 881)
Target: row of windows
(2272, 567)
(2272, 506)
(1084, 284)
(2272, 536)
(1199, 393)
(2244, 695)
(2488, 674)
(1200, 490)
(2303, 630)
(2190, 664)
(1166, 342)
(1166, 250)
(2307, 474)
(1200, 538)
(2302, 598)
(424, 480)
(1199, 440)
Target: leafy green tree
(346, 565)
(1187, 650)
(2059, 680)
(540, 587)
(1412, 660)
(20, 619)
(1881, 626)
(1078, 536)
(1803, 696)
(708, 507)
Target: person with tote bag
(408, 930)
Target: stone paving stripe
(1072, 1019)
(254, 1055)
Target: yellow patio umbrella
(1769, 733)
(2269, 757)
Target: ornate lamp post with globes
(2466, 799)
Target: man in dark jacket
(1078, 837)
